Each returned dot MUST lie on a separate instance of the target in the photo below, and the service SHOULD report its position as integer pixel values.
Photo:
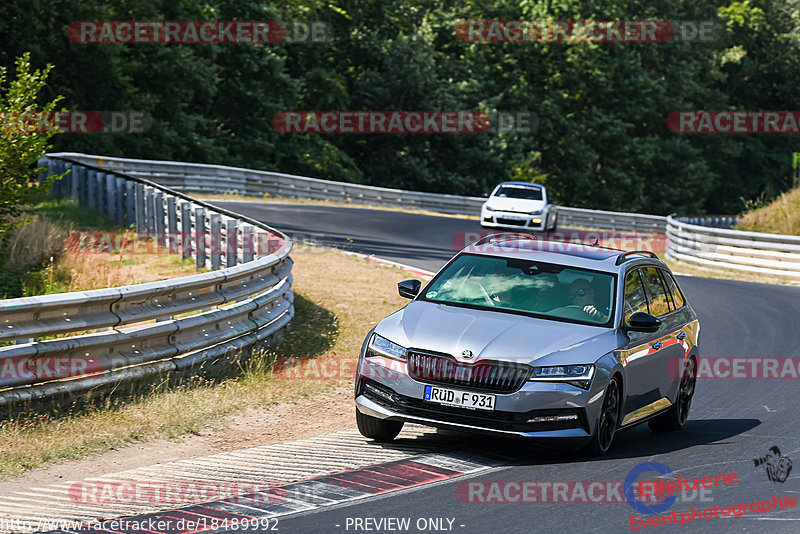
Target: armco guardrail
(201, 178)
(145, 329)
(757, 252)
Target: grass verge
(781, 216)
(338, 298)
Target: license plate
(462, 399)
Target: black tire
(378, 429)
(555, 224)
(608, 421)
(678, 413)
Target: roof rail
(624, 256)
(503, 236)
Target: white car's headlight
(535, 212)
(577, 375)
(489, 208)
(381, 346)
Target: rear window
(677, 296)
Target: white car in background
(518, 206)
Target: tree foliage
(601, 139)
(20, 179)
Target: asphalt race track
(732, 421)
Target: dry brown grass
(781, 216)
(339, 298)
(98, 270)
(35, 242)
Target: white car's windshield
(518, 285)
(527, 193)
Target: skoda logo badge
(467, 354)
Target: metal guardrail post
(172, 225)
(141, 214)
(248, 243)
(186, 230)
(158, 201)
(231, 243)
(110, 194)
(130, 203)
(200, 237)
(150, 209)
(216, 242)
(100, 191)
(91, 193)
(75, 182)
(119, 199)
(83, 188)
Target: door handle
(657, 345)
(681, 336)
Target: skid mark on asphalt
(328, 464)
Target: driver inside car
(581, 293)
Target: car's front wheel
(678, 413)
(377, 429)
(607, 422)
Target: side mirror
(642, 322)
(409, 288)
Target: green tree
(21, 144)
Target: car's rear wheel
(678, 413)
(377, 429)
(607, 422)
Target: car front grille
(499, 377)
(512, 222)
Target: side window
(656, 292)
(634, 299)
(677, 296)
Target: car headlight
(576, 375)
(381, 346)
(535, 212)
(489, 208)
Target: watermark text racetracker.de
(585, 31)
(561, 491)
(198, 32)
(74, 122)
(734, 122)
(738, 368)
(173, 493)
(565, 239)
(404, 122)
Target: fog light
(553, 418)
(379, 392)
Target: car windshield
(524, 286)
(527, 193)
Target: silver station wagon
(533, 339)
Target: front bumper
(511, 221)
(528, 412)
(505, 423)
